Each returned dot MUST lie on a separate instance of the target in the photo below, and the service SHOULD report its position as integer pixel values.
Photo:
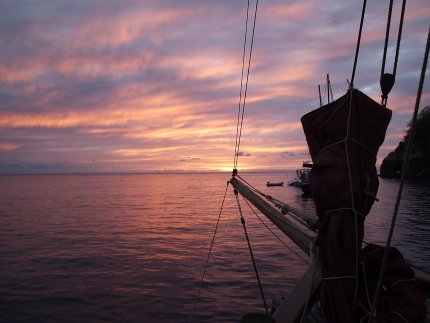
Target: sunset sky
(135, 85)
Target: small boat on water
(274, 183)
(295, 182)
(302, 178)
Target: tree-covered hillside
(420, 151)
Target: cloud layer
(124, 86)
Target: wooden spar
(305, 240)
(303, 218)
(319, 92)
(294, 304)
(328, 89)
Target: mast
(329, 90)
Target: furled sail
(343, 138)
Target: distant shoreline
(152, 172)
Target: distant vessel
(302, 179)
(274, 183)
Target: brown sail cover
(343, 138)
(402, 300)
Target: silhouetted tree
(420, 150)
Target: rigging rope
(240, 115)
(357, 49)
(387, 80)
(242, 220)
(399, 37)
(241, 87)
(274, 234)
(239, 126)
(251, 187)
(209, 253)
(387, 36)
(402, 178)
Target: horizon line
(155, 172)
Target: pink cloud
(8, 147)
(148, 85)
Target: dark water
(132, 248)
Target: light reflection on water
(412, 231)
(133, 247)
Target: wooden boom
(305, 240)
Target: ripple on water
(133, 247)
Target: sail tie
(355, 212)
(344, 141)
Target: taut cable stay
(240, 125)
(274, 234)
(209, 254)
(242, 220)
(240, 116)
(241, 87)
(357, 49)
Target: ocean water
(132, 247)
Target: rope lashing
(387, 80)
(353, 211)
(242, 220)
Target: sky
(154, 85)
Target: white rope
(339, 277)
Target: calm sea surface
(132, 248)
